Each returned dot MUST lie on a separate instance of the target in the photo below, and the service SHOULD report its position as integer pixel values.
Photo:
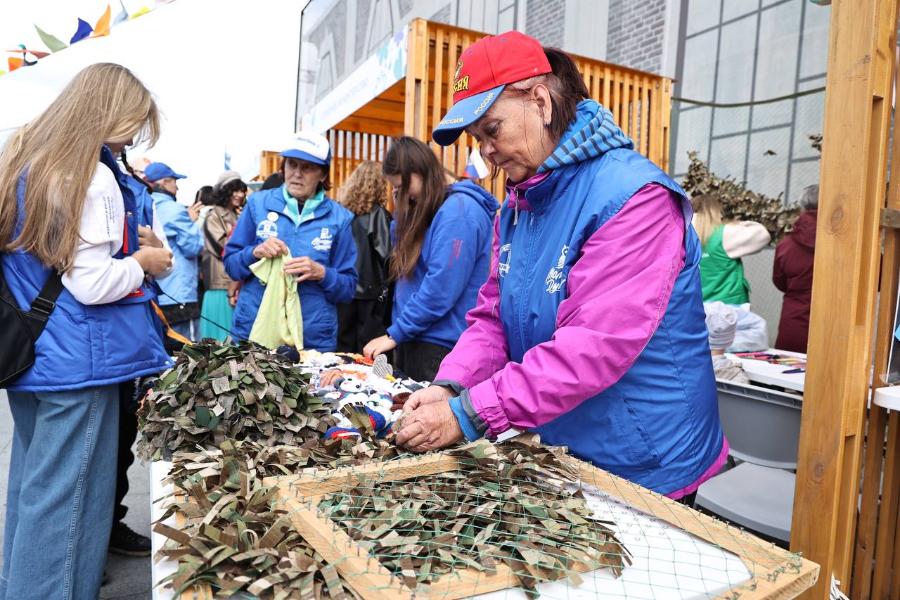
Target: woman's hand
(194, 210)
(270, 248)
(154, 261)
(234, 289)
(429, 395)
(305, 268)
(147, 238)
(428, 427)
(379, 345)
(328, 377)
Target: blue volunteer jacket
(431, 305)
(85, 346)
(659, 424)
(186, 242)
(325, 237)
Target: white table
(667, 563)
(888, 397)
(760, 371)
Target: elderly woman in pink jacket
(590, 328)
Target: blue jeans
(62, 480)
(189, 329)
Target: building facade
(729, 59)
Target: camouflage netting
(507, 503)
(217, 392)
(738, 202)
(236, 538)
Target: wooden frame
(833, 438)
(776, 572)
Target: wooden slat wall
(639, 101)
(849, 263)
(876, 572)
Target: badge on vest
(267, 228)
(503, 260)
(324, 241)
(555, 277)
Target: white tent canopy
(224, 73)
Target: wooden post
(852, 193)
(415, 122)
(881, 486)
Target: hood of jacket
(481, 196)
(804, 232)
(592, 133)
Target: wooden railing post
(852, 192)
(415, 122)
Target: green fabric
(721, 276)
(216, 314)
(292, 207)
(279, 320)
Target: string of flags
(27, 57)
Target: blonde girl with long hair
(366, 317)
(65, 211)
(724, 244)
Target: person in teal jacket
(298, 218)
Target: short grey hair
(809, 198)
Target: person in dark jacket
(365, 318)
(441, 257)
(792, 273)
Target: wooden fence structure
(848, 476)
(639, 101)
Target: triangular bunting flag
(14, 63)
(84, 30)
(2, 72)
(52, 42)
(122, 16)
(139, 13)
(102, 26)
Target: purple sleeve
(481, 350)
(618, 292)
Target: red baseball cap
(484, 69)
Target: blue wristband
(465, 424)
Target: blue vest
(326, 237)
(86, 346)
(658, 425)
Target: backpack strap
(43, 305)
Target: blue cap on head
(156, 171)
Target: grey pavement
(129, 578)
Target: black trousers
(419, 360)
(360, 322)
(127, 435)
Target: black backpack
(21, 328)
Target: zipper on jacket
(516, 206)
(529, 275)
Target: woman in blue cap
(179, 300)
(297, 218)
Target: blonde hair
(365, 188)
(707, 215)
(60, 149)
